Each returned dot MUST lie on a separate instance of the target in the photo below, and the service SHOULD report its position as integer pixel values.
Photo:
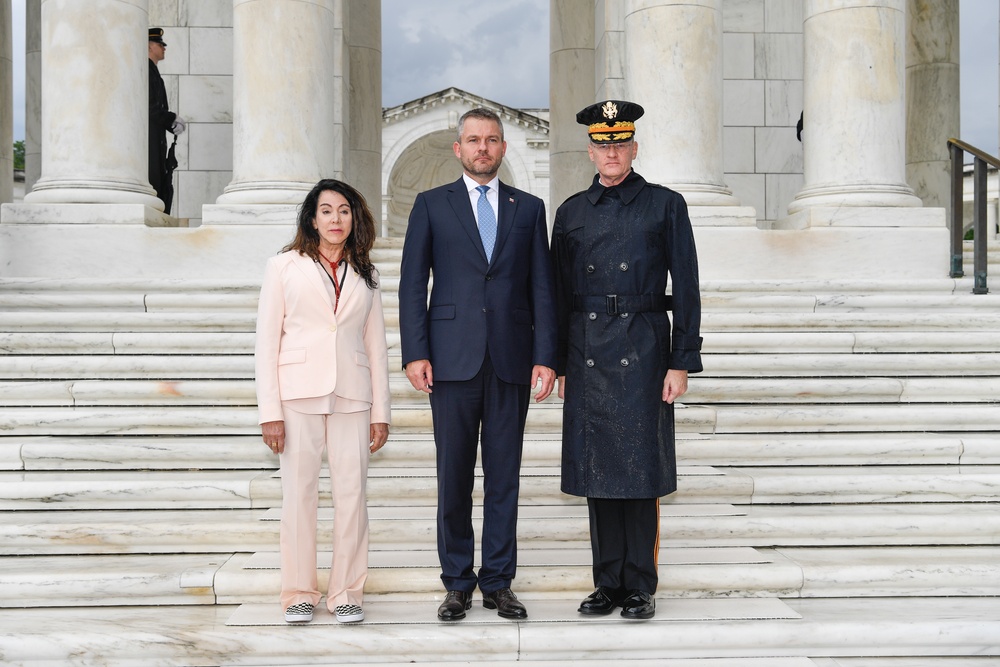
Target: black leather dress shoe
(506, 604)
(599, 603)
(455, 604)
(638, 605)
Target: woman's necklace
(337, 284)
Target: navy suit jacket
(506, 306)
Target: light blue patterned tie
(487, 221)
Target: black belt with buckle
(614, 304)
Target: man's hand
(547, 377)
(179, 126)
(562, 386)
(421, 375)
(675, 384)
(378, 433)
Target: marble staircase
(838, 496)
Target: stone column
(364, 159)
(285, 55)
(933, 113)
(6, 105)
(95, 107)
(854, 136)
(673, 68)
(571, 88)
(32, 93)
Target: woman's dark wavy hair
(361, 239)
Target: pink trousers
(345, 437)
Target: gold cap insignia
(609, 110)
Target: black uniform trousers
(625, 540)
(459, 410)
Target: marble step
(387, 487)
(60, 581)
(753, 344)
(766, 390)
(391, 486)
(690, 632)
(412, 449)
(750, 363)
(967, 320)
(59, 531)
(692, 572)
(76, 298)
(543, 418)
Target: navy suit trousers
(461, 410)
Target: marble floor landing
(393, 632)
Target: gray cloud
(980, 73)
(497, 50)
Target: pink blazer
(305, 350)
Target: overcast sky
(500, 51)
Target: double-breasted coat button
(590, 268)
(623, 266)
(624, 362)
(623, 315)
(590, 363)
(593, 316)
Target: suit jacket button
(590, 268)
(590, 363)
(593, 316)
(489, 277)
(623, 266)
(624, 362)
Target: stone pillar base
(96, 214)
(862, 216)
(136, 251)
(878, 254)
(284, 215)
(722, 216)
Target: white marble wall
(762, 89)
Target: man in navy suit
(485, 341)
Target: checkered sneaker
(299, 613)
(349, 613)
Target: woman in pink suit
(323, 385)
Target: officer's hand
(562, 386)
(179, 126)
(674, 385)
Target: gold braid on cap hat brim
(620, 131)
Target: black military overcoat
(613, 249)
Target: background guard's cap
(610, 121)
(156, 35)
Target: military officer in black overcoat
(161, 121)
(621, 362)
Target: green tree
(19, 154)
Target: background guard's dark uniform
(161, 119)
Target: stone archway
(425, 163)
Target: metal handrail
(957, 149)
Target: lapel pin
(511, 200)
